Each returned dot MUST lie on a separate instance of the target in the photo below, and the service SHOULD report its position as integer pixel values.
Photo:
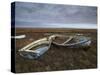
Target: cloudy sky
(41, 15)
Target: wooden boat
(37, 48)
(73, 41)
(18, 37)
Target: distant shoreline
(54, 30)
(50, 28)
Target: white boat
(37, 48)
(18, 37)
(74, 41)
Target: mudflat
(57, 57)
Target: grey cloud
(32, 13)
